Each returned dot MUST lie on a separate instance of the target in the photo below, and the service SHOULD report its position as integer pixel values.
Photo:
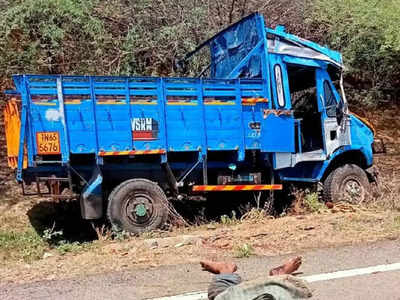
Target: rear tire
(347, 183)
(137, 205)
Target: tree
(366, 32)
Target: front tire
(137, 205)
(347, 183)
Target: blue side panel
(147, 126)
(81, 127)
(45, 116)
(112, 115)
(223, 116)
(113, 126)
(252, 119)
(183, 115)
(278, 134)
(361, 136)
(79, 110)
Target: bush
(51, 36)
(143, 37)
(366, 32)
(146, 37)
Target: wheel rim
(139, 209)
(352, 190)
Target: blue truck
(268, 109)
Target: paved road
(177, 279)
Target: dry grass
(388, 189)
(26, 256)
(262, 236)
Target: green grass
(396, 221)
(243, 251)
(64, 247)
(27, 246)
(312, 202)
(226, 220)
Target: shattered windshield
(233, 53)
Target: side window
(330, 102)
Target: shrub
(51, 36)
(366, 32)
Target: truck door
(277, 130)
(335, 125)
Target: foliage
(142, 37)
(366, 32)
(147, 37)
(244, 250)
(64, 247)
(26, 246)
(304, 201)
(52, 236)
(226, 220)
(312, 202)
(119, 234)
(51, 36)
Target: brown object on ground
(329, 205)
(287, 268)
(218, 267)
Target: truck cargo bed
(127, 115)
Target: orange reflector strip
(133, 152)
(235, 188)
(254, 100)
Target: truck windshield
(230, 47)
(233, 53)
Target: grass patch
(244, 250)
(27, 246)
(312, 202)
(396, 221)
(226, 220)
(75, 247)
(305, 201)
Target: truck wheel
(137, 205)
(346, 183)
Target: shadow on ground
(65, 216)
(61, 216)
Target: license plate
(48, 143)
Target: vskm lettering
(142, 124)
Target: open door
(335, 124)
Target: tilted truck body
(268, 113)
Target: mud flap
(92, 198)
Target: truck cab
(307, 128)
